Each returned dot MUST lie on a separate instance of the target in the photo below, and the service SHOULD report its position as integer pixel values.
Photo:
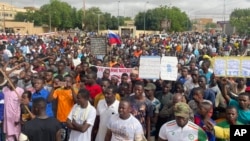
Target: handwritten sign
(169, 69)
(232, 66)
(98, 46)
(113, 71)
(149, 67)
(245, 70)
(220, 67)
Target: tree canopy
(153, 18)
(240, 18)
(63, 16)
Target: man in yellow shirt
(105, 83)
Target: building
(7, 15)
(226, 27)
(8, 25)
(8, 12)
(199, 25)
(129, 23)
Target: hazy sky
(194, 8)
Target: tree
(153, 18)
(20, 16)
(106, 20)
(30, 16)
(240, 18)
(63, 16)
(58, 13)
(91, 18)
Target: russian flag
(113, 38)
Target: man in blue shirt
(205, 70)
(42, 92)
(184, 75)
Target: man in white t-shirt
(81, 118)
(181, 129)
(105, 109)
(124, 126)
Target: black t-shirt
(42, 129)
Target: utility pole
(50, 21)
(83, 16)
(50, 15)
(144, 19)
(224, 13)
(98, 23)
(3, 19)
(118, 17)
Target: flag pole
(12, 86)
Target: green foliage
(240, 18)
(20, 16)
(60, 14)
(153, 18)
(63, 16)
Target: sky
(194, 8)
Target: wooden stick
(11, 84)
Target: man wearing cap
(181, 128)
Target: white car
(161, 36)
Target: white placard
(149, 67)
(220, 67)
(169, 70)
(233, 67)
(245, 70)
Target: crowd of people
(50, 90)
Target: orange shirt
(137, 53)
(178, 48)
(65, 103)
(111, 64)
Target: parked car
(161, 36)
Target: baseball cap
(150, 86)
(182, 109)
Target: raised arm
(12, 69)
(224, 90)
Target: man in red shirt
(91, 85)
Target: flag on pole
(113, 38)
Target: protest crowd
(55, 88)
